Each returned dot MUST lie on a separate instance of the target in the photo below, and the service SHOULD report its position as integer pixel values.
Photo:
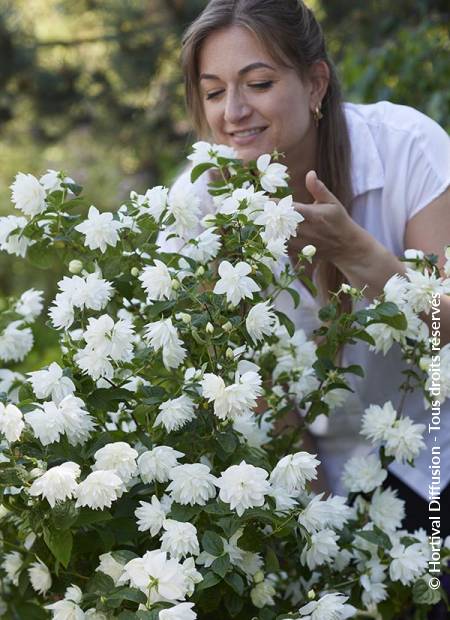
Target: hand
(327, 224)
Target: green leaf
(64, 515)
(209, 580)
(103, 399)
(89, 517)
(234, 604)
(116, 598)
(424, 595)
(355, 369)
(228, 441)
(376, 537)
(41, 255)
(222, 565)
(235, 581)
(272, 563)
(286, 321)
(295, 296)
(60, 543)
(183, 513)
(199, 170)
(212, 543)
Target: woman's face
(250, 102)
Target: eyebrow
(253, 65)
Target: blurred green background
(94, 87)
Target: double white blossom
(321, 547)
(294, 470)
(408, 563)
(16, 243)
(179, 539)
(99, 230)
(243, 486)
(69, 607)
(203, 248)
(175, 413)
(163, 335)
(151, 516)
(260, 321)
(279, 219)
(28, 194)
(206, 153)
(330, 513)
(11, 422)
(51, 382)
(157, 281)
(99, 490)
(235, 399)
(16, 342)
(57, 484)
(363, 474)
(156, 464)
(192, 484)
(153, 202)
(234, 282)
(387, 510)
(30, 304)
(118, 457)
(184, 207)
(329, 607)
(40, 577)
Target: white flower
(248, 199)
(157, 282)
(321, 548)
(30, 304)
(363, 474)
(184, 206)
(15, 343)
(47, 423)
(99, 490)
(100, 230)
(284, 500)
(11, 422)
(179, 539)
(51, 382)
(40, 577)
(61, 313)
(294, 470)
(279, 219)
(110, 566)
(91, 292)
(175, 413)
(235, 399)
(422, 287)
(182, 611)
(110, 338)
(150, 516)
(12, 564)
(57, 484)
(262, 594)
(395, 290)
(234, 282)
(163, 335)
(156, 464)
(78, 424)
(118, 457)
(408, 563)
(386, 509)
(52, 180)
(272, 176)
(203, 248)
(153, 202)
(243, 486)
(192, 483)
(260, 321)
(255, 430)
(94, 363)
(159, 578)
(404, 440)
(28, 194)
(377, 421)
(68, 608)
(206, 153)
(330, 513)
(329, 607)
(16, 243)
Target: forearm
(370, 265)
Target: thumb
(318, 190)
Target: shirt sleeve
(428, 169)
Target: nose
(236, 107)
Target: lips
(244, 133)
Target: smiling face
(253, 103)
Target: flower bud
(75, 266)
(134, 272)
(227, 327)
(175, 285)
(258, 576)
(229, 353)
(346, 288)
(182, 316)
(413, 254)
(424, 364)
(209, 328)
(309, 251)
(311, 595)
(200, 271)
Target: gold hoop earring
(317, 114)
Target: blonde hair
(290, 32)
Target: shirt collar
(366, 168)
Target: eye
(213, 94)
(262, 85)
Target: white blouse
(400, 162)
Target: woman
(370, 181)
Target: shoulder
(390, 123)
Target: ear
(319, 76)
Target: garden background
(94, 87)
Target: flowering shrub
(143, 473)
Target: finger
(318, 190)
